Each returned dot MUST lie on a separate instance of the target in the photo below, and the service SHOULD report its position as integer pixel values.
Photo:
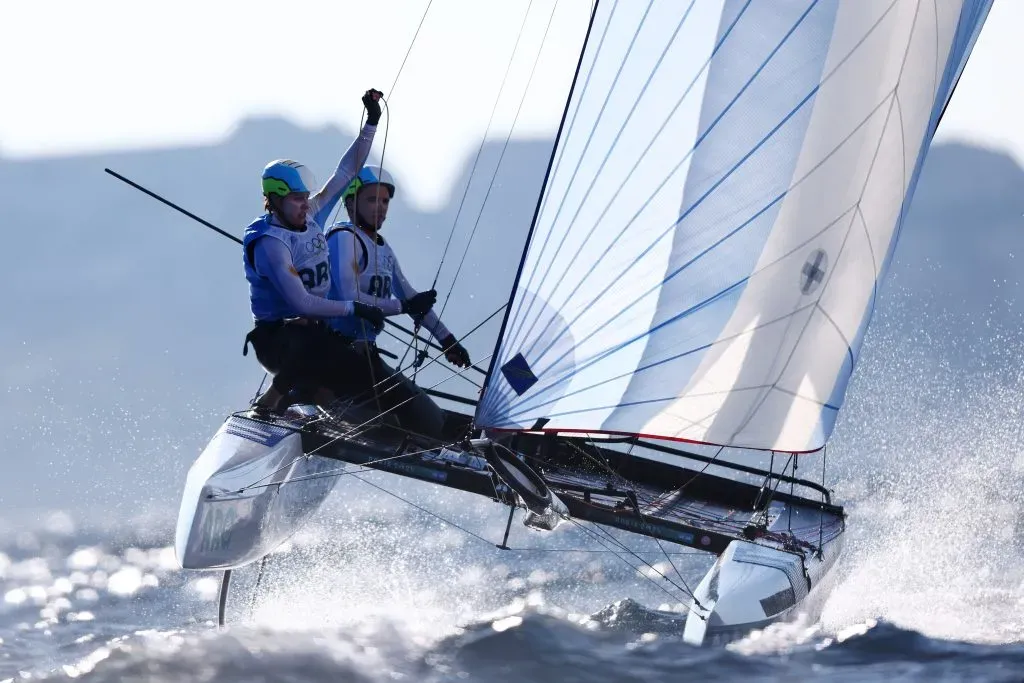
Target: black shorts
(303, 356)
(374, 383)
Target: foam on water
(935, 541)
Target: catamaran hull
(255, 485)
(249, 491)
(751, 586)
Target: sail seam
(638, 370)
(561, 153)
(669, 359)
(611, 200)
(495, 355)
(699, 201)
(590, 139)
(826, 158)
(867, 182)
(728, 174)
(647, 401)
(583, 315)
(636, 103)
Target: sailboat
(720, 207)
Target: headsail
(722, 204)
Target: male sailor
(286, 265)
(364, 269)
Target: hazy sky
(117, 74)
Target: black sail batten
(540, 200)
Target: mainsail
(722, 203)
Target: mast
(540, 199)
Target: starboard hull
(752, 586)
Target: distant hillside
(956, 278)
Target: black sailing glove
(420, 304)
(455, 353)
(374, 315)
(371, 100)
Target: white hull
(247, 493)
(253, 487)
(752, 585)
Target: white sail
(723, 202)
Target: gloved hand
(420, 304)
(371, 101)
(374, 315)
(455, 352)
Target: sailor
(286, 265)
(365, 269)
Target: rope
(483, 141)
(339, 472)
(409, 51)
(435, 359)
(490, 186)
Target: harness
(264, 327)
(365, 260)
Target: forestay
(723, 201)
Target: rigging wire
(409, 51)
(436, 359)
(626, 550)
(602, 464)
(351, 433)
(423, 509)
(695, 517)
(354, 431)
(494, 175)
(483, 140)
(451, 233)
(578, 524)
(338, 472)
(399, 369)
(606, 548)
(383, 150)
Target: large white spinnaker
(723, 202)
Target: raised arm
(323, 202)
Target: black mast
(540, 198)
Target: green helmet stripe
(353, 188)
(276, 186)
